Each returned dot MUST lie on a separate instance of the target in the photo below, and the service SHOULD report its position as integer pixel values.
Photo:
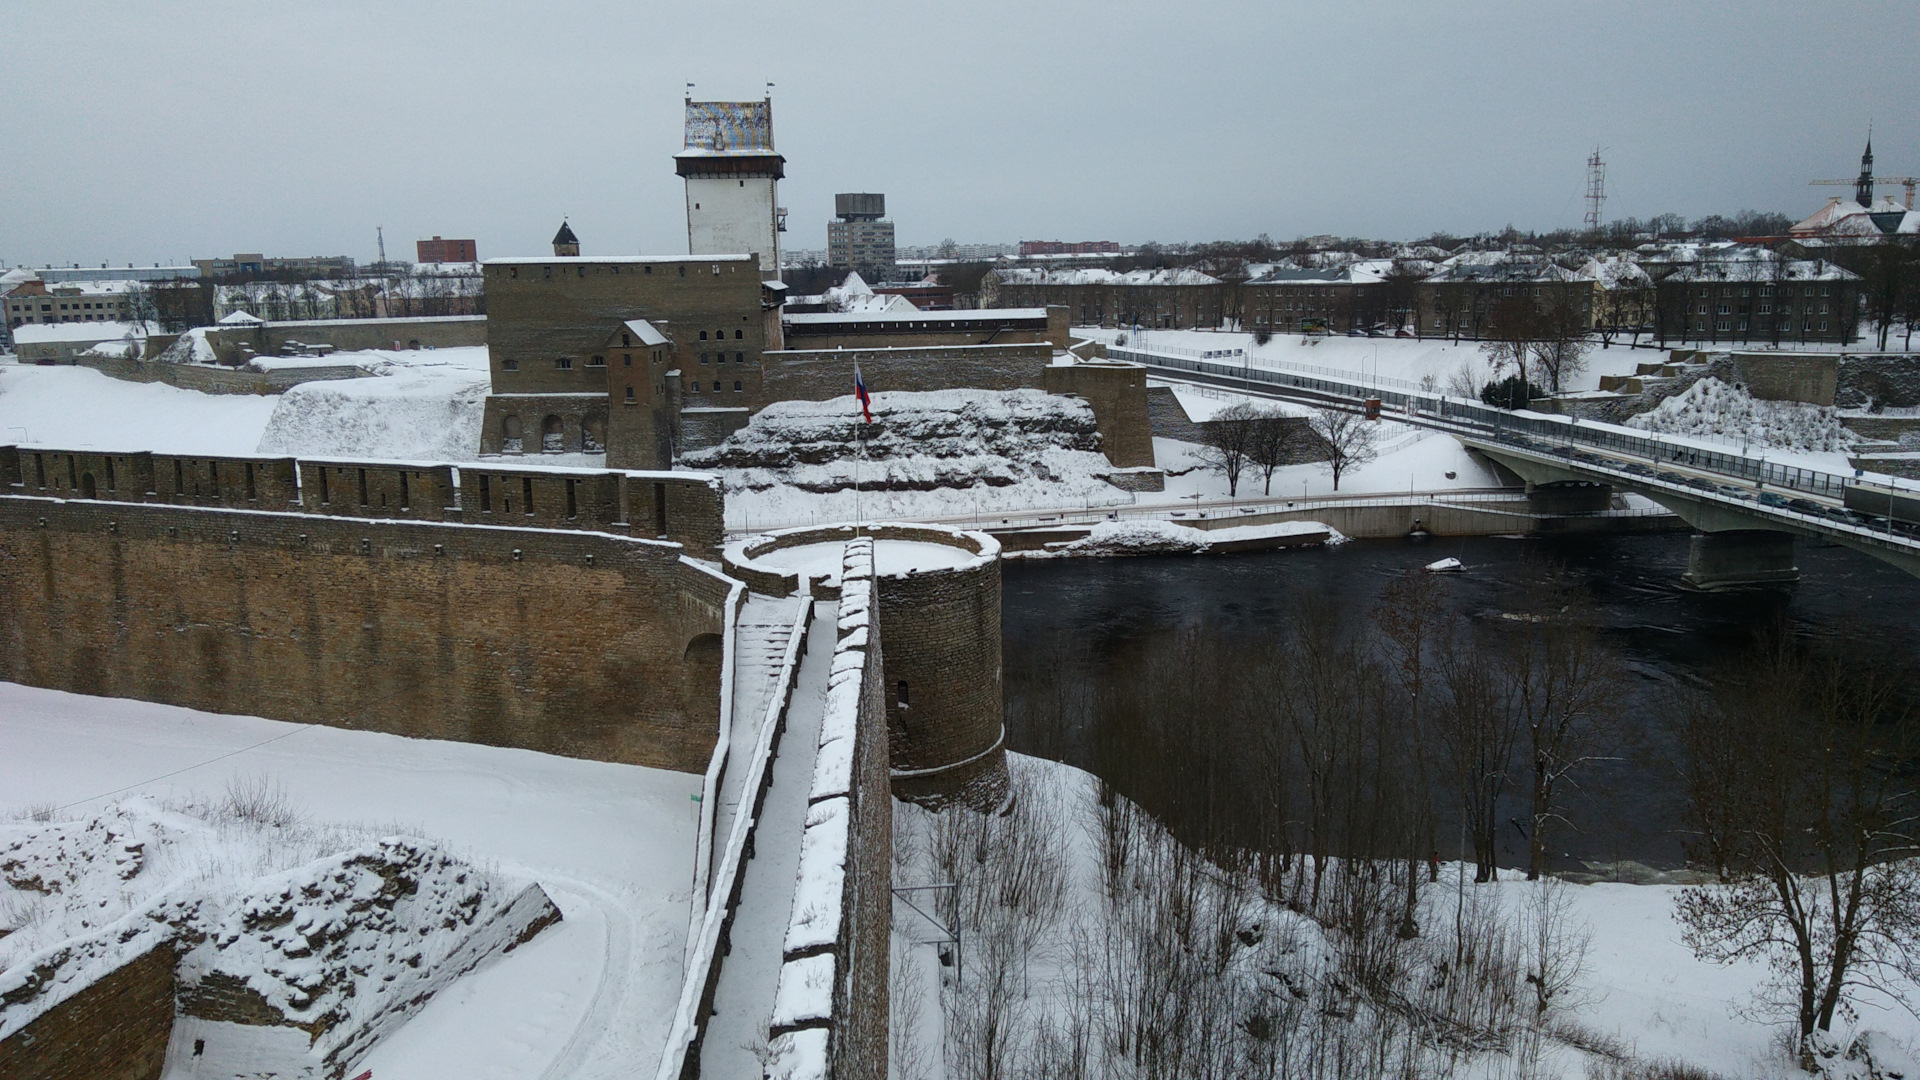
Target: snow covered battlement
(830, 1009)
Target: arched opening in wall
(86, 485)
(510, 435)
(553, 439)
(900, 694)
(593, 431)
(413, 343)
(700, 682)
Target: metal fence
(1558, 435)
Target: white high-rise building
(733, 181)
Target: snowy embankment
(925, 455)
(339, 934)
(419, 404)
(1154, 537)
(611, 845)
(1086, 924)
(1716, 410)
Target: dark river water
(1101, 614)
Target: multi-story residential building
(1462, 297)
(1060, 247)
(1155, 299)
(253, 265)
(156, 272)
(1748, 294)
(35, 301)
(862, 240)
(437, 250)
(1363, 295)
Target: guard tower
(565, 244)
(733, 177)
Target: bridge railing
(1553, 434)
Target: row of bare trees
(1246, 436)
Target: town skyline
(1222, 123)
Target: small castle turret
(564, 242)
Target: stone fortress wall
(545, 631)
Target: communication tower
(1596, 189)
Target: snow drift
(411, 409)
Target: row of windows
(611, 268)
(1767, 290)
(719, 335)
(1765, 309)
(694, 386)
(1726, 326)
(102, 317)
(721, 358)
(27, 305)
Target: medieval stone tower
(733, 180)
(565, 244)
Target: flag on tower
(860, 392)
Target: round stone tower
(939, 603)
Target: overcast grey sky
(144, 132)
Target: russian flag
(860, 391)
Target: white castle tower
(733, 177)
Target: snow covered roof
(822, 318)
(36, 333)
(643, 331)
(1096, 276)
(548, 260)
(241, 318)
(1615, 272)
(1496, 266)
(1764, 269)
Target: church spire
(1863, 187)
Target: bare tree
(1275, 442)
(1344, 440)
(1795, 773)
(1512, 329)
(1562, 684)
(1226, 440)
(1561, 331)
(1411, 617)
(1477, 729)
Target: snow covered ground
(1405, 359)
(612, 845)
(80, 408)
(423, 404)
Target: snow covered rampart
(830, 1009)
(924, 454)
(287, 964)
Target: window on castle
(597, 361)
(703, 358)
(629, 393)
(736, 386)
(703, 335)
(509, 365)
(626, 359)
(739, 358)
(900, 694)
(564, 363)
(716, 386)
(626, 339)
(739, 334)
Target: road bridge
(1745, 509)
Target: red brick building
(437, 250)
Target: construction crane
(1909, 181)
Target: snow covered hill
(1714, 409)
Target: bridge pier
(1724, 560)
(1569, 497)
